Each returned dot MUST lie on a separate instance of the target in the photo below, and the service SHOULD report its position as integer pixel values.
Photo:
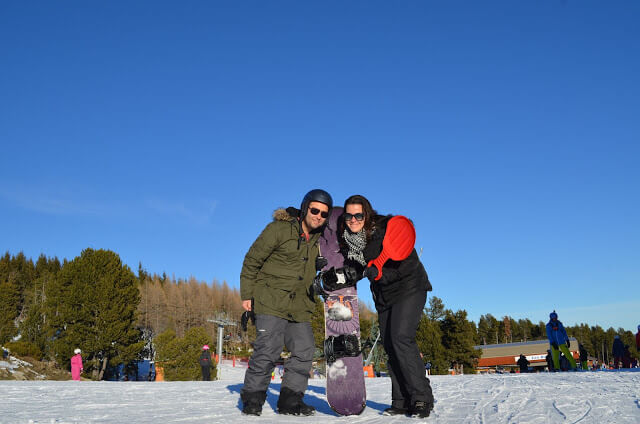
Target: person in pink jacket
(76, 365)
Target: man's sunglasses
(316, 211)
(358, 216)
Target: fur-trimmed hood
(281, 214)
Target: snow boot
(420, 409)
(252, 402)
(394, 410)
(290, 403)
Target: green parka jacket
(279, 268)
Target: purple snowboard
(346, 392)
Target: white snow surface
(573, 397)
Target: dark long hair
(367, 210)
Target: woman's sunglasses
(358, 216)
(316, 211)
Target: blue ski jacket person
(555, 331)
(618, 347)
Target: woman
(400, 296)
(76, 365)
(205, 363)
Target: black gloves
(248, 316)
(316, 286)
(568, 343)
(321, 262)
(351, 275)
(371, 272)
(555, 345)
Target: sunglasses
(358, 216)
(316, 211)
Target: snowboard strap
(336, 279)
(336, 347)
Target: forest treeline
(115, 315)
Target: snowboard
(346, 392)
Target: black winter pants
(398, 327)
(206, 372)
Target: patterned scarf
(356, 242)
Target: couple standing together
(277, 274)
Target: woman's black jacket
(399, 278)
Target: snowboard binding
(334, 279)
(336, 347)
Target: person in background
(399, 295)
(523, 363)
(618, 351)
(559, 341)
(205, 363)
(76, 365)
(549, 359)
(584, 356)
(277, 274)
(564, 362)
(626, 357)
(638, 339)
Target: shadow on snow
(316, 399)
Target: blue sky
(168, 132)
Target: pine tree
(33, 324)
(16, 273)
(92, 305)
(458, 339)
(9, 304)
(179, 355)
(429, 339)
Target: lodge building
(504, 356)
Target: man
(523, 363)
(584, 357)
(549, 360)
(559, 341)
(277, 274)
(618, 351)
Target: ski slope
(580, 397)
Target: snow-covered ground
(584, 397)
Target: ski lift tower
(222, 320)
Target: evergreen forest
(95, 302)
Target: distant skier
(76, 365)
(523, 363)
(559, 341)
(549, 359)
(205, 363)
(618, 351)
(584, 356)
(626, 357)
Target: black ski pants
(273, 334)
(398, 327)
(206, 372)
